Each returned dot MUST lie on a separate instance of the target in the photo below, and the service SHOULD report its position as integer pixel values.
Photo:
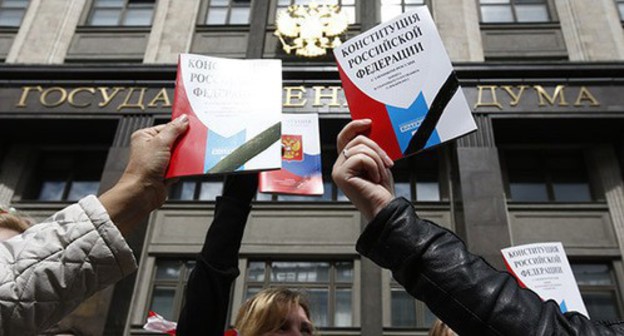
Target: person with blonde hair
(440, 328)
(275, 311)
(272, 311)
(12, 223)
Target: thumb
(174, 129)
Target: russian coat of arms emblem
(311, 30)
(292, 149)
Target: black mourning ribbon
(441, 100)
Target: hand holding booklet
(234, 109)
(399, 75)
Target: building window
(547, 176)
(620, 6)
(598, 289)
(407, 312)
(327, 285)
(205, 188)
(417, 178)
(347, 6)
(12, 12)
(509, 11)
(169, 286)
(67, 176)
(392, 8)
(228, 12)
(121, 13)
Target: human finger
(363, 145)
(172, 130)
(366, 141)
(355, 167)
(350, 131)
(158, 128)
(146, 133)
(363, 149)
(363, 166)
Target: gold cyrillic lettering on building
(318, 94)
(25, 91)
(139, 102)
(545, 97)
(56, 101)
(513, 95)
(493, 103)
(290, 95)
(135, 98)
(163, 97)
(71, 98)
(585, 95)
(106, 98)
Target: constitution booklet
(234, 109)
(301, 158)
(544, 269)
(399, 75)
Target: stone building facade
(543, 80)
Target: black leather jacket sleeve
(462, 289)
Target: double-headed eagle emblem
(291, 147)
(311, 29)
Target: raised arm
(48, 270)
(142, 187)
(209, 285)
(434, 265)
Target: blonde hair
(14, 222)
(440, 328)
(267, 310)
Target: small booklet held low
(544, 268)
(234, 109)
(301, 158)
(399, 75)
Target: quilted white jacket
(47, 271)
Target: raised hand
(142, 186)
(150, 152)
(362, 169)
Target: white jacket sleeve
(47, 271)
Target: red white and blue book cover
(301, 158)
(544, 268)
(399, 75)
(235, 110)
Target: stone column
(257, 29)
(371, 296)
(369, 14)
(592, 29)
(172, 30)
(118, 307)
(484, 222)
(458, 24)
(46, 31)
(603, 157)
